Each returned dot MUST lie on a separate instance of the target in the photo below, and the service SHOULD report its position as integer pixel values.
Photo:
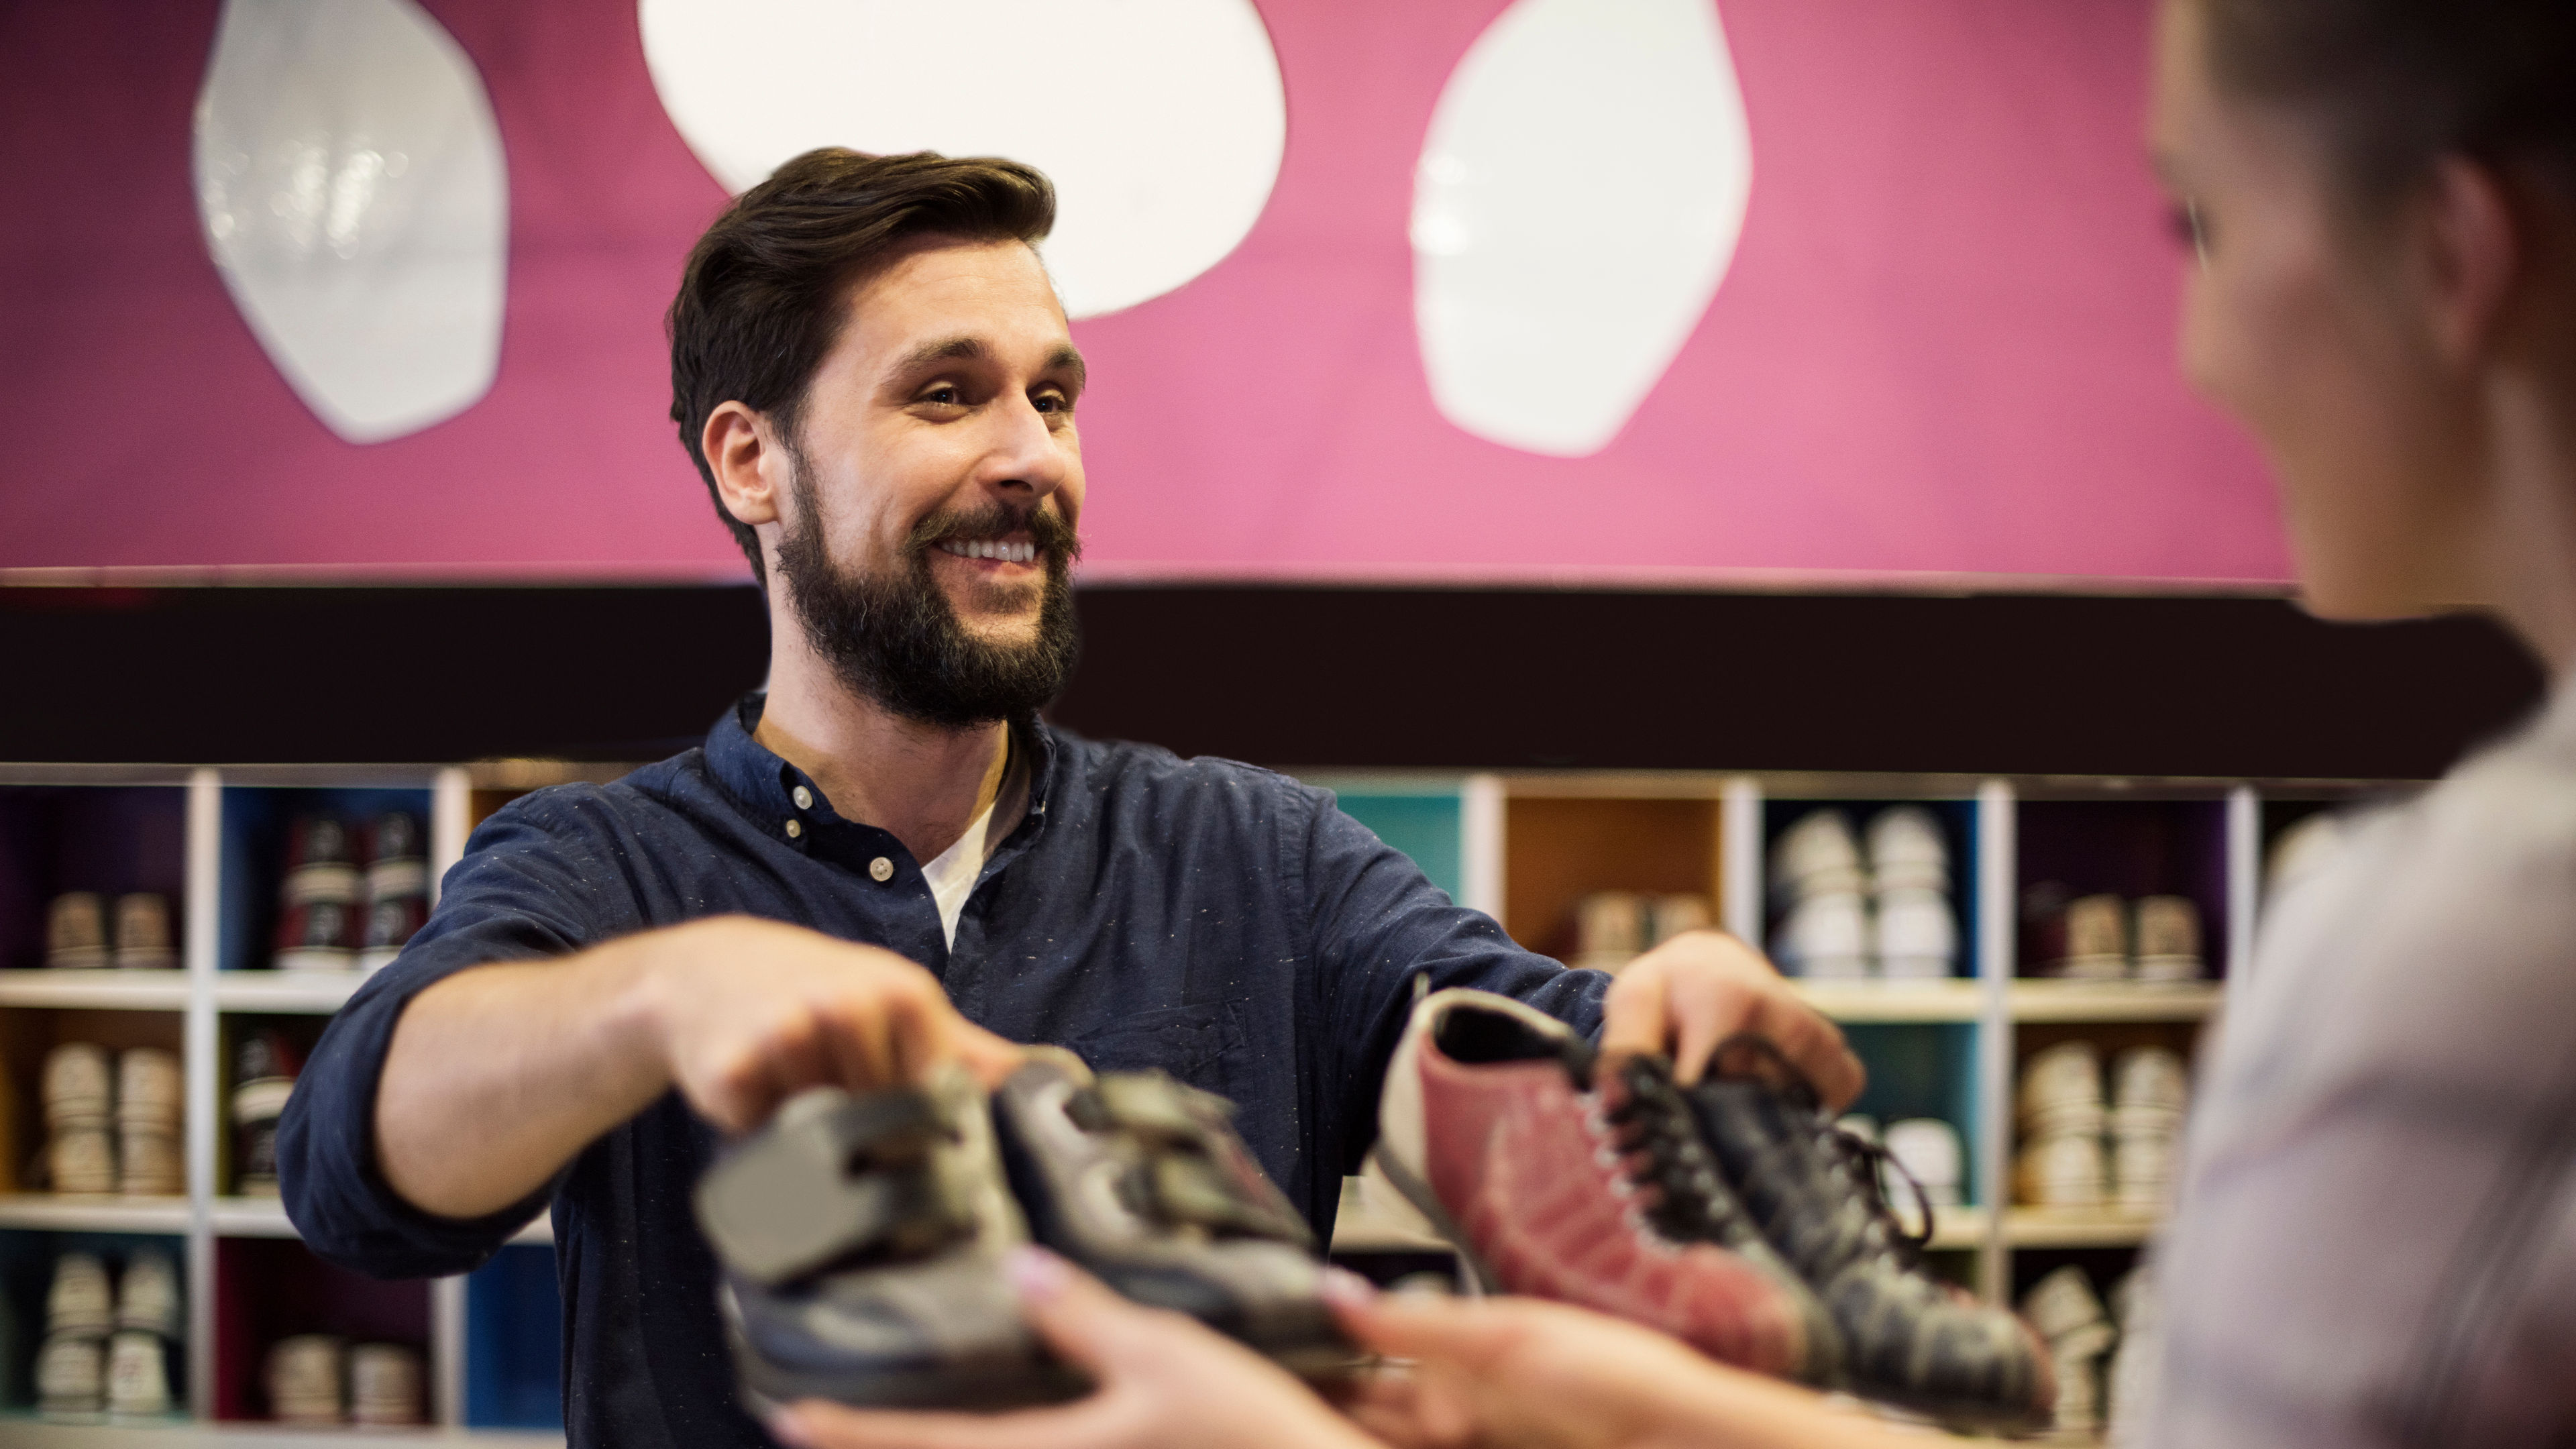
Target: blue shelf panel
(514, 1341)
(1923, 1069)
(254, 855)
(1429, 828)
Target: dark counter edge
(1303, 676)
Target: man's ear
(749, 466)
(2471, 255)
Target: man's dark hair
(760, 301)
(2398, 84)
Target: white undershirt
(953, 873)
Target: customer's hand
(1163, 1380)
(1518, 1373)
(749, 1012)
(1688, 994)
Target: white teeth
(1577, 203)
(352, 190)
(1085, 90)
(991, 548)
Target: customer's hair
(762, 298)
(2398, 84)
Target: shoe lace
(1860, 1157)
(1687, 1199)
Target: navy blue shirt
(1222, 922)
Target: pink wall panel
(1943, 348)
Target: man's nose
(1024, 453)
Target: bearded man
(886, 861)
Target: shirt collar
(766, 785)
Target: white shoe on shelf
(76, 932)
(2167, 939)
(1907, 851)
(1930, 1152)
(1609, 930)
(79, 1301)
(143, 933)
(1913, 935)
(138, 1374)
(2062, 1170)
(2088, 941)
(71, 1375)
(2061, 1090)
(1825, 937)
(1816, 856)
(147, 1294)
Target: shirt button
(881, 869)
(804, 798)
(795, 828)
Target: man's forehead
(953, 301)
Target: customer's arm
(498, 1075)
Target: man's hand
(1163, 1380)
(1697, 989)
(498, 1075)
(749, 1012)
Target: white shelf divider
(1998, 918)
(2244, 878)
(202, 1073)
(1480, 844)
(1740, 839)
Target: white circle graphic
(1161, 122)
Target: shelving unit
(1522, 847)
(1945, 1048)
(210, 840)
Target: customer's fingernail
(1344, 1287)
(787, 1429)
(1035, 1273)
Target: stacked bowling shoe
(143, 938)
(318, 906)
(2150, 1095)
(76, 932)
(110, 1350)
(1819, 890)
(148, 1098)
(80, 1100)
(2071, 1321)
(397, 888)
(264, 1068)
(1914, 935)
(2062, 1117)
(2106, 938)
(305, 1379)
(384, 1385)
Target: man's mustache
(1045, 527)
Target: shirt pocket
(1196, 1043)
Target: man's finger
(1633, 1015)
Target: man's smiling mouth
(992, 548)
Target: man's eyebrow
(1065, 359)
(972, 349)
(945, 349)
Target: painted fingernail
(1036, 1274)
(1345, 1288)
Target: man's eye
(1051, 403)
(944, 396)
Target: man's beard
(896, 639)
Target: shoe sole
(766, 1388)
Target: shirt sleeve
(541, 878)
(1380, 924)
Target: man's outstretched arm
(499, 1075)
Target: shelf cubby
(27, 1258)
(2131, 848)
(268, 1289)
(1957, 817)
